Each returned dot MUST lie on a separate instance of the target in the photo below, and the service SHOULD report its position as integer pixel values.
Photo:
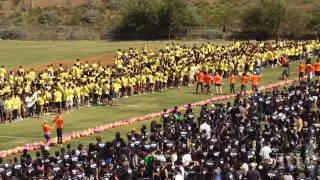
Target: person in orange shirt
(232, 79)
(302, 70)
(317, 69)
(255, 79)
(244, 80)
(208, 82)
(46, 128)
(60, 124)
(310, 70)
(200, 81)
(218, 83)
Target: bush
(91, 16)
(265, 18)
(213, 34)
(48, 17)
(152, 17)
(13, 32)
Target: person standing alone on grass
(60, 123)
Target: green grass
(27, 53)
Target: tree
(91, 16)
(141, 16)
(265, 17)
(152, 17)
(315, 18)
(47, 17)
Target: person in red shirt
(208, 82)
(46, 128)
(200, 81)
(232, 79)
(255, 79)
(317, 69)
(302, 70)
(218, 83)
(60, 124)
(244, 80)
(310, 70)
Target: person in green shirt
(149, 162)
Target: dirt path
(106, 59)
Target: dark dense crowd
(271, 135)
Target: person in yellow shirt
(16, 107)
(48, 103)
(8, 108)
(40, 103)
(3, 73)
(69, 98)
(32, 75)
(77, 95)
(105, 93)
(57, 100)
(300, 124)
(150, 83)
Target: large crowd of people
(268, 135)
(26, 93)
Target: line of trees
(158, 18)
(265, 19)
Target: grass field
(29, 130)
(29, 53)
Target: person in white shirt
(179, 171)
(158, 155)
(205, 127)
(30, 103)
(178, 177)
(186, 159)
(265, 152)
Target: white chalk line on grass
(19, 137)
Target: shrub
(213, 34)
(48, 17)
(91, 16)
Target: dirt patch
(104, 60)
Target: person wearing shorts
(244, 80)
(302, 70)
(255, 79)
(46, 128)
(310, 71)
